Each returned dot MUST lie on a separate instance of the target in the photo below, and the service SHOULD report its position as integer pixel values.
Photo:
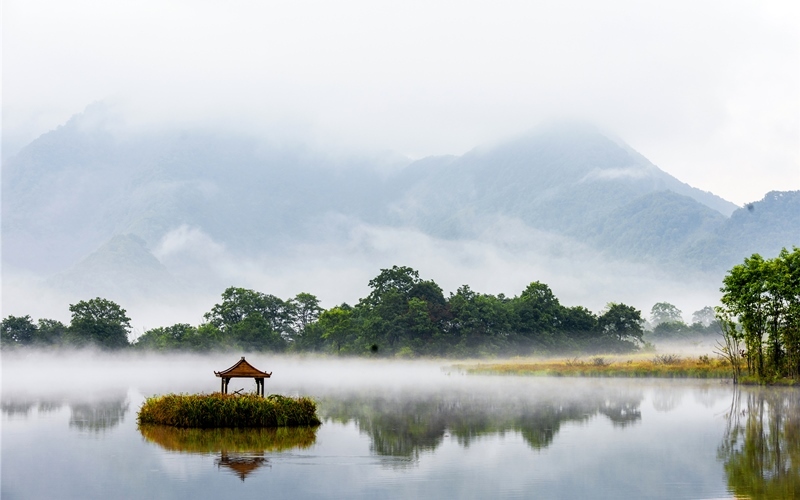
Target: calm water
(400, 430)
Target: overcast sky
(707, 90)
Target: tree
(336, 326)
(402, 311)
(705, 316)
(166, 338)
(763, 297)
(17, 331)
(304, 311)
(100, 322)
(477, 319)
(671, 330)
(622, 325)
(578, 323)
(538, 314)
(744, 298)
(50, 332)
(252, 320)
(398, 279)
(663, 312)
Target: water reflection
(761, 447)
(407, 424)
(239, 451)
(98, 416)
(241, 464)
(85, 415)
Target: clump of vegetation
(227, 410)
(237, 440)
(575, 362)
(598, 361)
(760, 316)
(669, 359)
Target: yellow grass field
(639, 365)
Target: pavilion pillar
(222, 385)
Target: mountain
(122, 264)
(566, 179)
(91, 204)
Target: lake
(392, 430)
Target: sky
(707, 90)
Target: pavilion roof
(242, 369)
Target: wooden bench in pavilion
(242, 369)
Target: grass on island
(664, 366)
(228, 410)
(232, 440)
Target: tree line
(403, 315)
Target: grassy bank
(226, 410)
(664, 366)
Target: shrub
(666, 359)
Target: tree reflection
(761, 447)
(23, 407)
(239, 451)
(408, 424)
(99, 415)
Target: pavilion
(242, 369)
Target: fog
(89, 375)
(504, 258)
(709, 90)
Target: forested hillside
(87, 201)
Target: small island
(221, 410)
(228, 410)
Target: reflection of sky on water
(455, 436)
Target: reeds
(228, 410)
(665, 366)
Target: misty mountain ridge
(94, 206)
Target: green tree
(622, 326)
(99, 322)
(763, 297)
(479, 320)
(671, 330)
(705, 316)
(336, 325)
(663, 312)
(252, 320)
(744, 298)
(166, 338)
(579, 324)
(304, 310)
(17, 331)
(397, 281)
(538, 314)
(50, 332)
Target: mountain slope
(87, 190)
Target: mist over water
(390, 428)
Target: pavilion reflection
(241, 464)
